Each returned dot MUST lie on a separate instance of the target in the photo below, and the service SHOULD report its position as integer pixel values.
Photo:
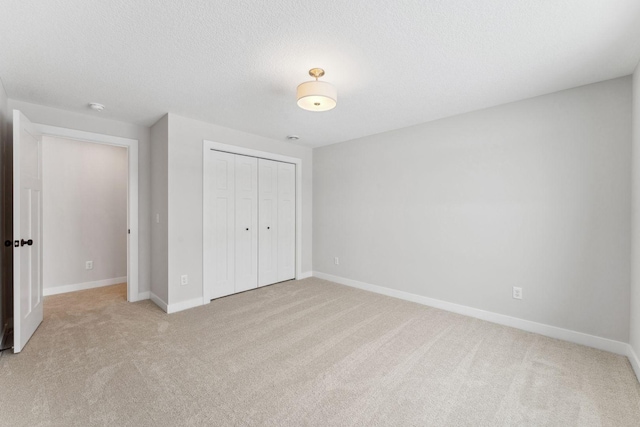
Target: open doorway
(110, 186)
(84, 208)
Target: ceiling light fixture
(293, 137)
(96, 107)
(316, 95)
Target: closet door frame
(208, 145)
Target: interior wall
(159, 209)
(84, 212)
(185, 167)
(6, 258)
(634, 333)
(91, 122)
(533, 194)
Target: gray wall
(6, 269)
(92, 123)
(185, 196)
(634, 333)
(160, 206)
(84, 211)
(534, 194)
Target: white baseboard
(179, 306)
(633, 359)
(142, 296)
(83, 286)
(305, 275)
(600, 343)
(184, 305)
(156, 299)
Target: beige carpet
(302, 353)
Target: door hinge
(129, 231)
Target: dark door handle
(247, 229)
(268, 228)
(26, 242)
(7, 243)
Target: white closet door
(286, 221)
(219, 224)
(246, 223)
(268, 234)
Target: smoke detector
(96, 107)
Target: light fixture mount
(316, 95)
(316, 73)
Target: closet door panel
(246, 223)
(246, 231)
(286, 240)
(219, 224)
(268, 226)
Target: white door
(268, 225)
(27, 230)
(219, 224)
(286, 240)
(246, 259)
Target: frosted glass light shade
(317, 96)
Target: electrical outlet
(89, 265)
(336, 260)
(517, 293)
(184, 280)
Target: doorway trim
(132, 189)
(234, 149)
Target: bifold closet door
(268, 211)
(277, 210)
(246, 227)
(219, 224)
(286, 221)
(249, 223)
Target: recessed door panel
(35, 248)
(223, 172)
(223, 258)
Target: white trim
(600, 343)
(305, 275)
(132, 205)
(212, 145)
(184, 305)
(143, 296)
(633, 359)
(158, 301)
(235, 149)
(63, 289)
(81, 135)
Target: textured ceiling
(237, 63)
